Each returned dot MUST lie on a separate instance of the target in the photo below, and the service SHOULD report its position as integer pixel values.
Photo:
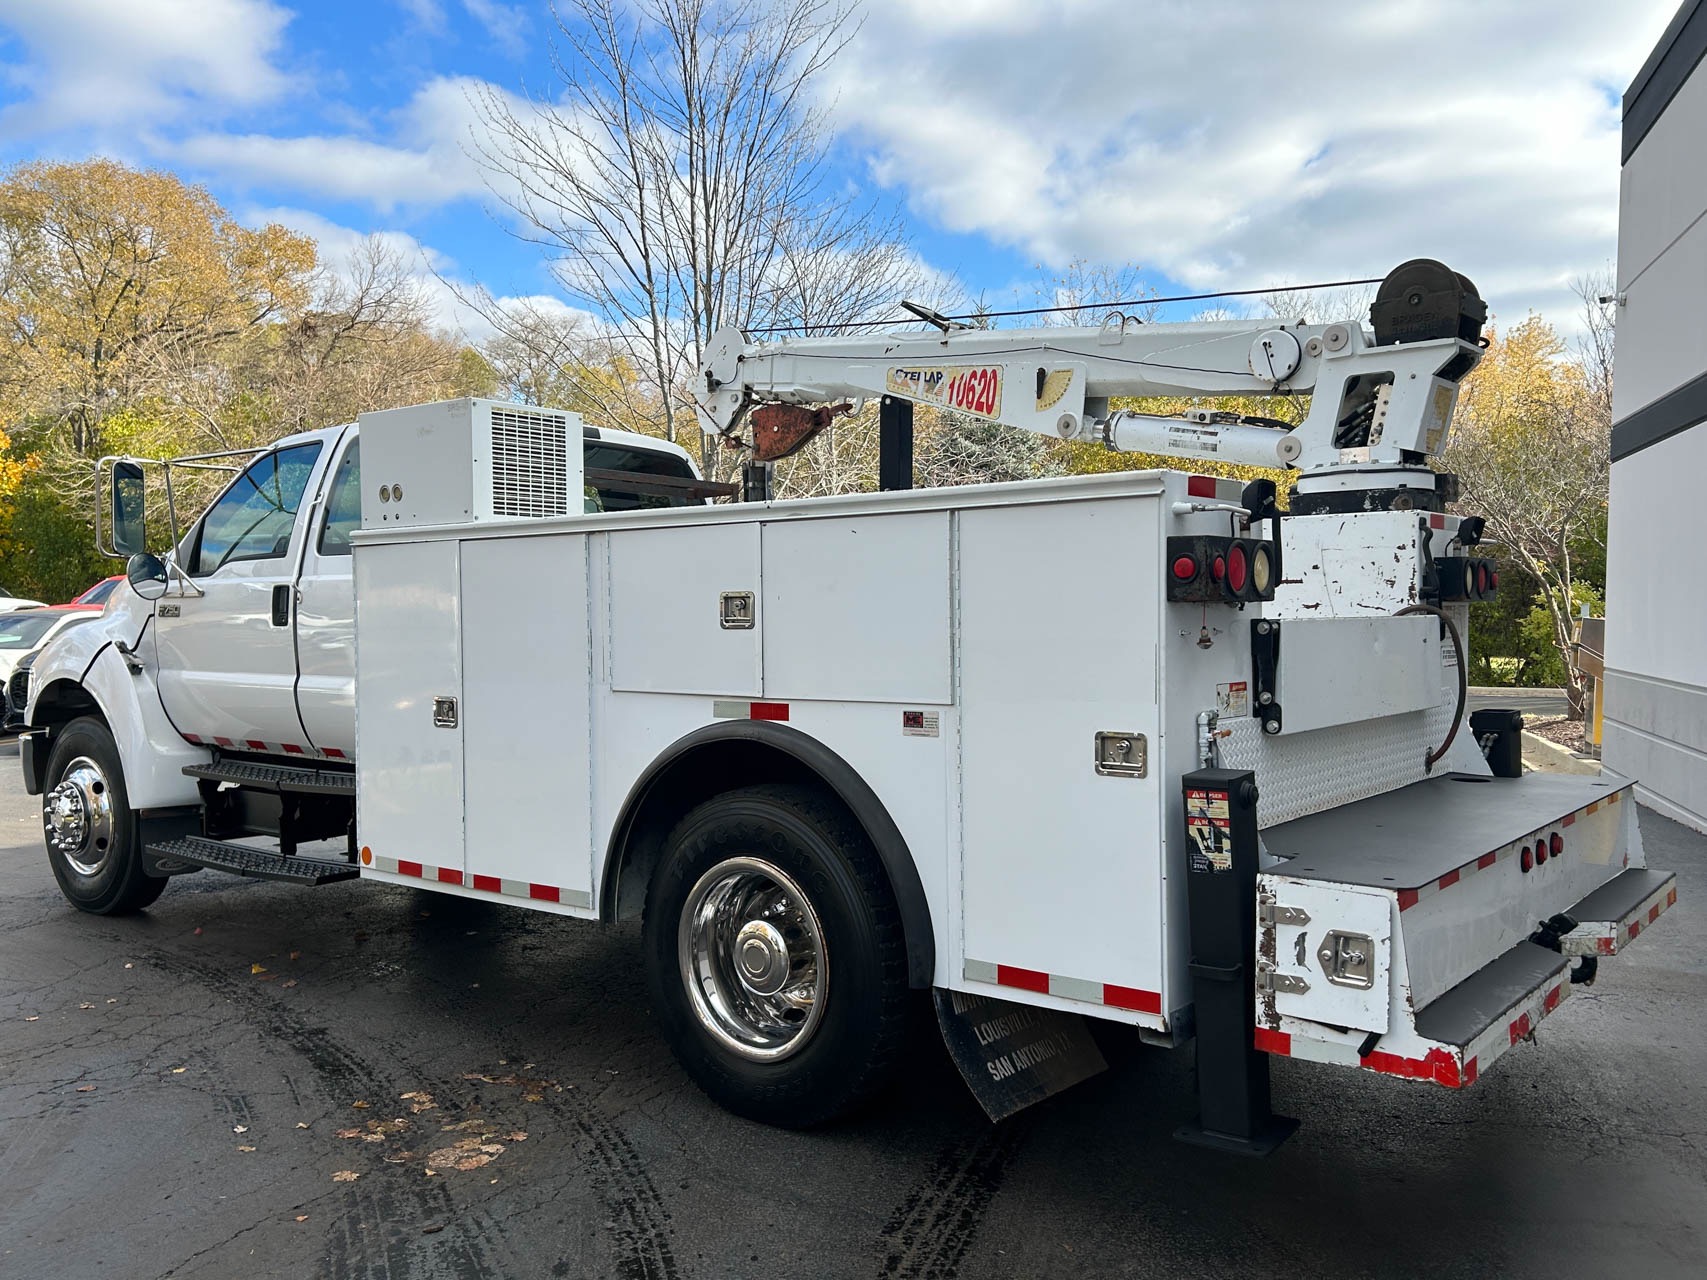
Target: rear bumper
(1418, 1014)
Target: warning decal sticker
(1233, 699)
(1209, 823)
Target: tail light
(1466, 578)
(1220, 570)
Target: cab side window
(344, 508)
(253, 519)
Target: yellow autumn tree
(114, 280)
(1531, 448)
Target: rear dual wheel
(775, 955)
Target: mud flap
(1012, 1055)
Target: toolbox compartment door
(1325, 953)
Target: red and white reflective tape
(1214, 488)
(1108, 994)
(732, 709)
(495, 885)
(266, 748)
(1614, 935)
(1454, 1066)
(1409, 898)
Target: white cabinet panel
(1062, 866)
(857, 610)
(525, 712)
(666, 636)
(409, 771)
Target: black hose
(1463, 678)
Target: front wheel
(775, 955)
(93, 842)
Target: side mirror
(130, 517)
(146, 575)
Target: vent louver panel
(530, 464)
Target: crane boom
(1381, 400)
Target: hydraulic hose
(1463, 679)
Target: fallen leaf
(302, 1217)
(85, 1088)
(432, 1228)
(198, 930)
(431, 1174)
(517, 1136)
(34, 1017)
(494, 1182)
(359, 1106)
(127, 964)
(240, 1128)
(112, 1000)
(245, 1148)
(419, 1100)
(345, 1175)
(302, 1124)
(373, 1137)
(288, 982)
(533, 1097)
(349, 1133)
(257, 968)
(402, 1157)
(178, 1071)
(268, 977)
(85, 1006)
(296, 955)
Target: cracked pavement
(166, 1110)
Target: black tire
(98, 864)
(849, 1048)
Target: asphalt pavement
(257, 1080)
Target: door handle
(281, 605)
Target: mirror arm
(172, 569)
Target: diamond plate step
(275, 777)
(242, 860)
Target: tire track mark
(935, 1226)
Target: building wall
(1656, 608)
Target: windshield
(98, 593)
(21, 631)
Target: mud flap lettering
(1012, 1055)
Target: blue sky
(1210, 143)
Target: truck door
(326, 612)
(228, 656)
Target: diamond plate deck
(245, 861)
(275, 777)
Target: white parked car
(9, 602)
(27, 630)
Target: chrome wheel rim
(753, 959)
(77, 816)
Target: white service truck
(1136, 746)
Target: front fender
(82, 667)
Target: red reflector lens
(1493, 579)
(1185, 568)
(1540, 852)
(1556, 843)
(1237, 568)
(1526, 859)
(1220, 568)
(1481, 579)
(1200, 486)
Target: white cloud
(430, 159)
(436, 274)
(506, 24)
(127, 64)
(1227, 145)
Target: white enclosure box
(469, 461)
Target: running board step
(1614, 914)
(275, 777)
(244, 860)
